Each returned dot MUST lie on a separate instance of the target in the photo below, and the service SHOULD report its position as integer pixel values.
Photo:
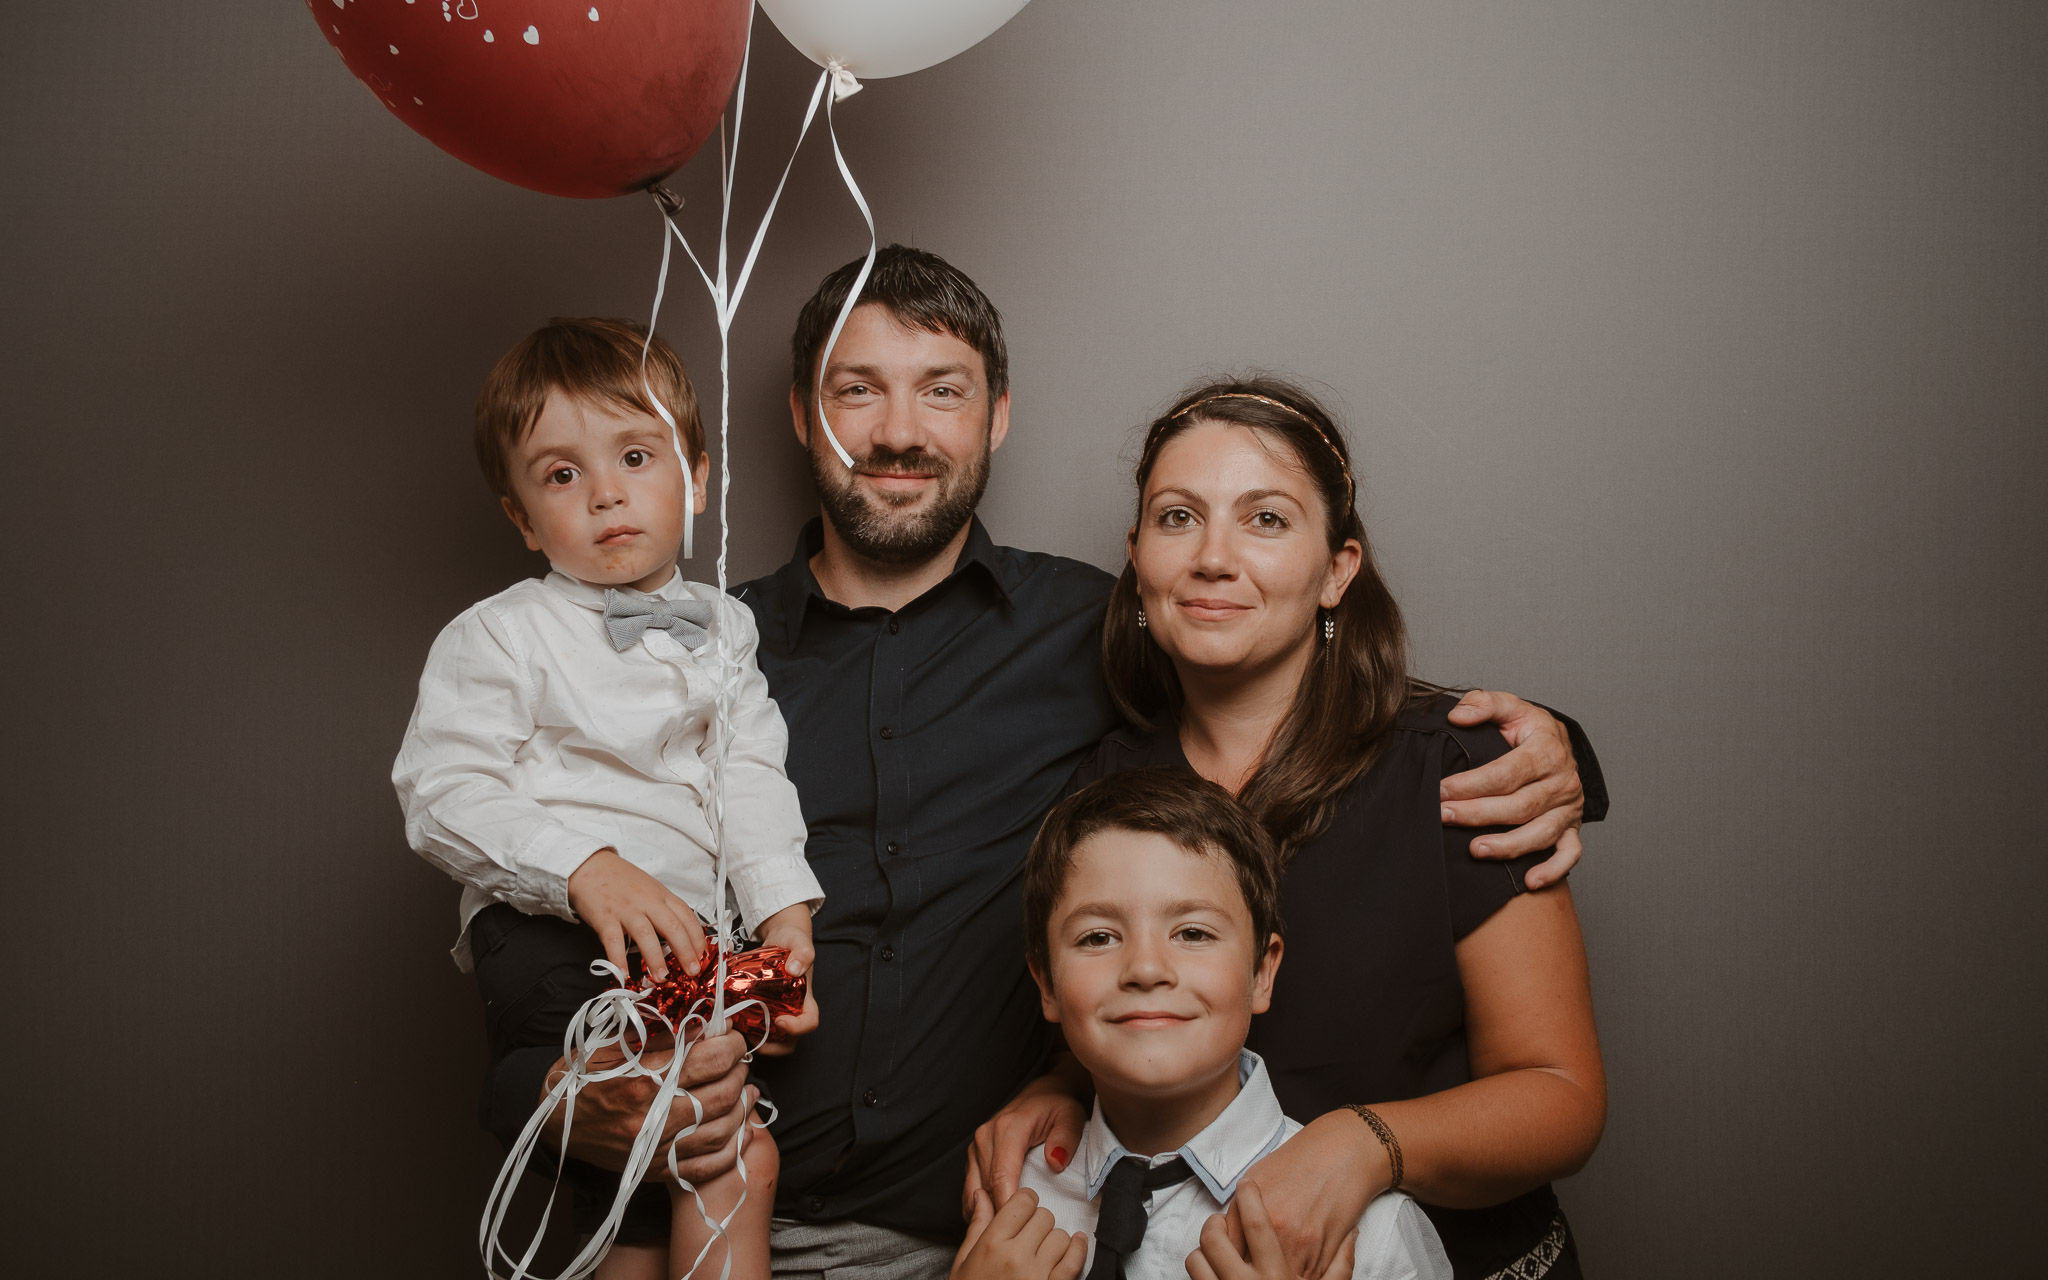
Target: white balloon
(874, 38)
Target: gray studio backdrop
(1694, 355)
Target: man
(939, 691)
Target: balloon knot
(671, 203)
(844, 85)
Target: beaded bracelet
(1386, 1137)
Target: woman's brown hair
(1359, 683)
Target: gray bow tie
(625, 617)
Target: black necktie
(1120, 1222)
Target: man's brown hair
(1179, 804)
(593, 359)
(922, 290)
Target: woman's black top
(1368, 1006)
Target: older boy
(565, 754)
(1152, 917)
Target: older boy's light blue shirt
(1395, 1238)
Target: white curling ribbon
(674, 434)
(844, 85)
(619, 1018)
(726, 300)
(613, 1019)
(725, 296)
(853, 294)
(719, 1226)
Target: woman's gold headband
(1350, 489)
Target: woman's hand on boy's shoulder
(1049, 1112)
(1261, 1258)
(1017, 1242)
(1308, 1195)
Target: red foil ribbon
(759, 975)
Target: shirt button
(815, 1204)
(893, 628)
(871, 1098)
(887, 732)
(888, 953)
(893, 847)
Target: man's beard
(875, 526)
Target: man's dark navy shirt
(926, 745)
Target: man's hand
(1219, 1258)
(609, 1113)
(1534, 787)
(621, 901)
(791, 928)
(1048, 1112)
(1018, 1242)
(1310, 1194)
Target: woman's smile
(1209, 609)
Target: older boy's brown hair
(593, 359)
(1179, 804)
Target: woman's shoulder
(1429, 718)
(1125, 749)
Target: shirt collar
(1247, 1130)
(800, 585)
(591, 595)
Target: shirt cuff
(768, 885)
(547, 862)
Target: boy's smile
(1154, 978)
(598, 488)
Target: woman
(1252, 639)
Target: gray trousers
(854, 1251)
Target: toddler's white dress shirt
(1395, 1238)
(534, 744)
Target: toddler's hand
(791, 928)
(621, 901)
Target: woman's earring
(1141, 617)
(1329, 626)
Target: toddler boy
(562, 760)
(1152, 928)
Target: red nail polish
(1059, 1155)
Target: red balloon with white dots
(589, 99)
